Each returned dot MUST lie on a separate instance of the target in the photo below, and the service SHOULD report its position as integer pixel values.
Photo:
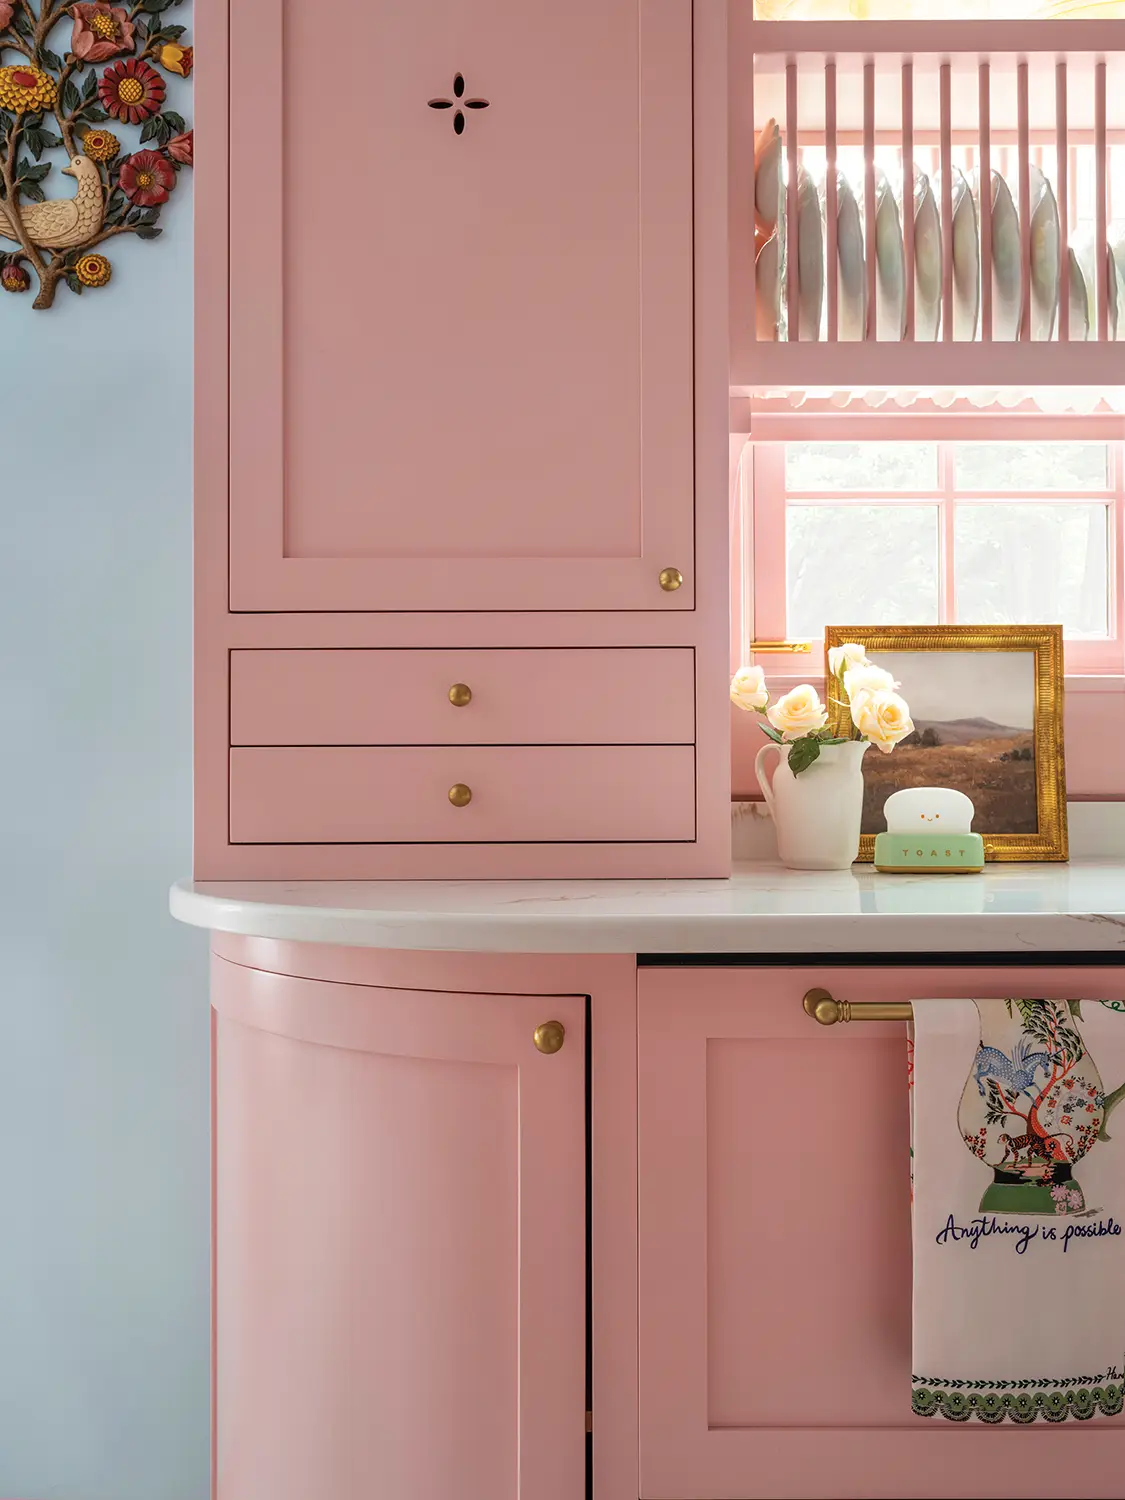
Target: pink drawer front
(610, 696)
(520, 794)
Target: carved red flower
(13, 278)
(100, 31)
(131, 91)
(7, 7)
(181, 148)
(147, 178)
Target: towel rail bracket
(829, 1011)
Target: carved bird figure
(61, 223)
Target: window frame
(761, 598)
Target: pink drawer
(610, 696)
(520, 794)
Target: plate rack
(995, 97)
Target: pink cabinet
(461, 350)
(461, 411)
(774, 1251)
(400, 1230)
(551, 696)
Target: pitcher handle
(1111, 1102)
(765, 779)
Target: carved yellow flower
(26, 87)
(176, 59)
(100, 145)
(93, 270)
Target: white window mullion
(947, 520)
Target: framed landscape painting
(987, 706)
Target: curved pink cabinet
(403, 1241)
(400, 1222)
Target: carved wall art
(93, 102)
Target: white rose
(859, 681)
(883, 718)
(748, 689)
(798, 713)
(843, 658)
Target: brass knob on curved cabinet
(671, 579)
(460, 695)
(549, 1036)
(460, 794)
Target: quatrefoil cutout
(458, 104)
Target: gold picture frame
(1045, 644)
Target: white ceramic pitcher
(817, 813)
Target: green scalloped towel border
(1010, 1401)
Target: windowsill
(1095, 725)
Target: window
(914, 532)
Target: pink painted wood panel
(523, 793)
(676, 115)
(400, 1243)
(611, 983)
(774, 1251)
(518, 697)
(488, 403)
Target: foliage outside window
(934, 532)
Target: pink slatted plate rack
(941, 97)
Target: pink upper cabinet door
(461, 305)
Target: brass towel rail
(822, 1007)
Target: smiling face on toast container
(928, 809)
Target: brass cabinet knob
(549, 1036)
(460, 694)
(460, 795)
(671, 579)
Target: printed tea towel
(1019, 1202)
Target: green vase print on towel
(1018, 1240)
(1033, 1106)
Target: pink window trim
(760, 593)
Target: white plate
(1117, 247)
(767, 274)
(767, 176)
(810, 258)
(1007, 300)
(927, 260)
(1083, 247)
(890, 262)
(966, 255)
(851, 280)
(1077, 301)
(1044, 256)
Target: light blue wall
(103, 1005)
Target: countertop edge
(571, 924)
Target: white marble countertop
(763, 908)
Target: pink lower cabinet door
(400, 1243)
(775, 1251)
